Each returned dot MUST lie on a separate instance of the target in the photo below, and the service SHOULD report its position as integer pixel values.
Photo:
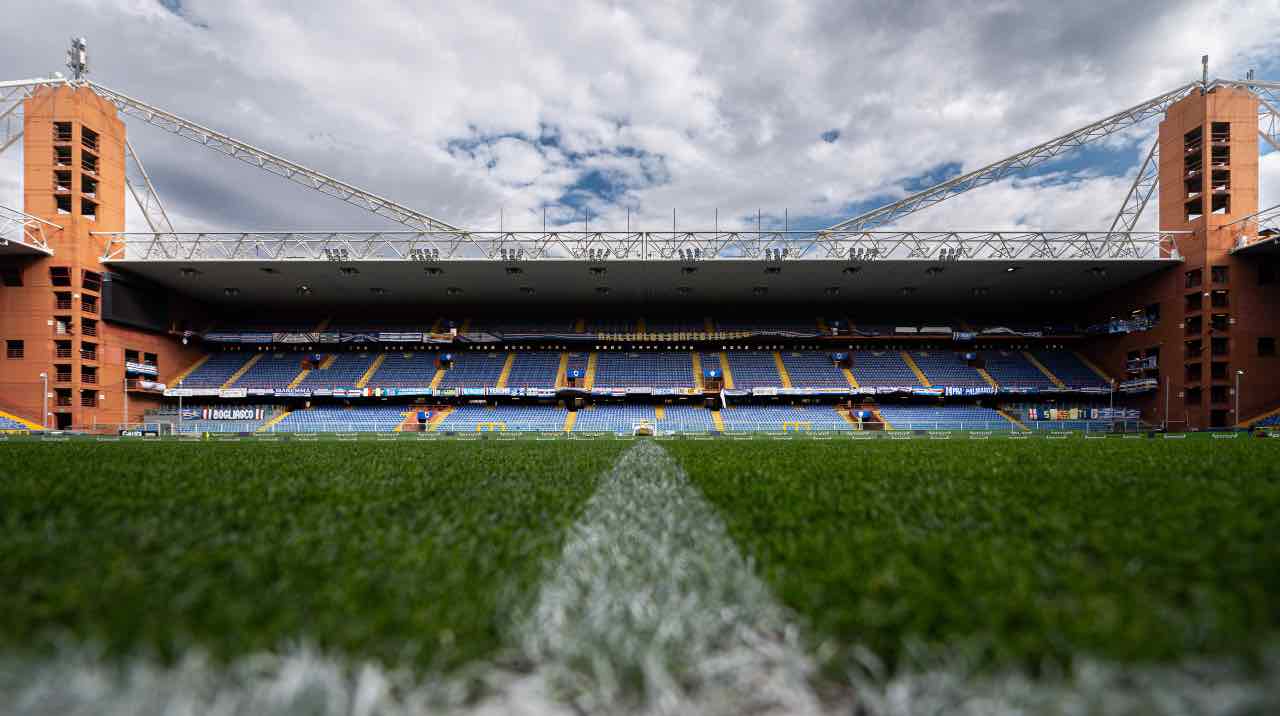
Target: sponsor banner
(231, 414)
(149, 385)
(261, 391)
(328, 337)
(178, 392)
(140, 368)
(736, 392)
(764, 391)
(139, 433)
(540, 392)
(963, 336)
(473, 391)
(498, 391)
(293, 392)
(232, 393)
(447, 392)
(395, 337)
(639, 391)
(928, 391)
(669, 391)
(415, 391)
(294, 337)
(970, 390)
(323, 392)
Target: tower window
(15, 350)
(89, 138)
(62, 131)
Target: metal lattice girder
(1250, 226)
(12, 95)
(1023, 160)
(605, 246)
(1268, 96)
(139, 183)
(22, 228)
(1144, 185)
(266, 161)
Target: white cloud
(724, 106)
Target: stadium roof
(514, 283)
(22, 234)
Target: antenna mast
(78, 58)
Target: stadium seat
(342, 370)
(534, 369)
(753, 369)
(883, 369)
(947, 369)
(473, 369)
(1070, 369)
(1011, 369)
(944, 417)
(619, 419)
(216, 371)
(511, 418)
(782, 418)
(811, 369)
(405, 370)
(656, 369)
(367, 419)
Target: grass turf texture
(405, 554)
(1014, 554)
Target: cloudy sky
(481, 111)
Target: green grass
(1020, 552)
(405, 554)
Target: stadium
(582, 469)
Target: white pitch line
(653, 609)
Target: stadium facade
(841, 328)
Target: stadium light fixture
(270, 270)
(188, 272)
(379, 291)
(602, 290)
(773, 270)
(908, 290)
(851, 270)
(349, 271)
(433, 270)
(231, 291)
(688, 270)
(514, 270)
(934, 271)
(760, 290)
(832, 290)
(1011, 269)
(303, 289)
(453, 291)
(598, 270)
(684, 290)
(527, 290)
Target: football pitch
(765, 575)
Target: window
(60, 276)
(62, 349)
(1219, 346)
(62, 180)
(1220, 274)
(1193, 396)
(11, 276)
(89, 162)
(1194, 348)
(88, 375)
(62, 373)
(1220, 132)
(88, 398)
(91, 281)
(89, 304)
(89, 138)
(1220, 322)
(1218, 394)
(1194, 278)
(1266, 346)
(14, 350)
(62, 131)
(88, 327)
(1218, 371)
(1193, 373)
(62, 156)
(151, 359)
(62, 326)
(88, 351)
(1193, 302)
(1193, 326)
(63, 204)
(89, 186)
(88, 208)
(1219, 298)
(1153, 312)
(62, 397)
